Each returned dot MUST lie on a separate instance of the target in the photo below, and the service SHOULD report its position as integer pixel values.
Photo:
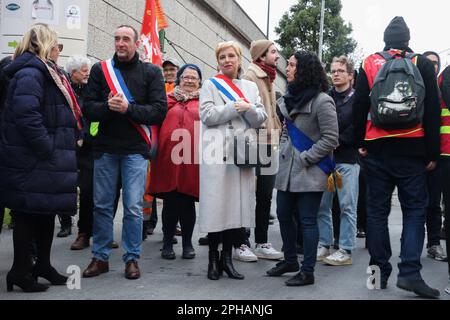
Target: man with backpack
(396, 119)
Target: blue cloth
(302, 142)
(384, 173)
(38, 167)
(133, 170)
(305, 207)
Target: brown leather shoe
(132, 270)
(81, 242)
(96, 268)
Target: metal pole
(268, 18)
(322, 21)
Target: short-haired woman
(227, 192)
(175, 172)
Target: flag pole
(322, 22)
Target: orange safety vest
(371, 67)
(445, 126)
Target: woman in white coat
(228, 106)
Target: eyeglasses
(185, 78)
(60, 47)
(338, 71)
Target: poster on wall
(73, 16)
(45, 11)
(14, 9)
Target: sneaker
(243, 253)
(266, 251)
(322, 253)
(339, 258)
(437, 253)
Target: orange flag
(154, 21)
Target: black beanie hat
(397, 32)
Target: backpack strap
(386, 55)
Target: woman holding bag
(228, 106)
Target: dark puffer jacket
(38, 167)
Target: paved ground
(186, 279)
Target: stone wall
(195, 28)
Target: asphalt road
(186, 279)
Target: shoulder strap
(386, 55)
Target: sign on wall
(69, 18)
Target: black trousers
(86, 212)
(445, 171)
(154, 216)
(27, 227)
(434, 213)
(2, 217)
(178, 207)
(85, 219)
(336, 217)
(264, 191)
(362, 206)
(226, 237)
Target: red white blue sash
(117, 85)
(228, 88)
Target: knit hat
(188, 66)
(397, 32)
(258, 48)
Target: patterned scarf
(271, 71)
(66, 89)
(183, 96)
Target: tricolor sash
(117, 85)
(302, 143)
(228, 88)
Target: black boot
(226, 263)
(25, 282)
(50, 274)
(213, 265)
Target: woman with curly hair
(309, 137)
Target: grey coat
(298, 172)
(227, 192)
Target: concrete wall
(195, 28)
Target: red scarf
(271, 71)
(76, 110)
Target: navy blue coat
(38, 167)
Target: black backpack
(398, 93)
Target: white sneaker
(437, 253)
(339, 258)
(243, 253)
(266, 251)
(322, 253)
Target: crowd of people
(335, 145)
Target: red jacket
(166, 175)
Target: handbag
(249, 152)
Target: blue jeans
(348, 202)
(305, 207)
(384, 173)
(133, 171)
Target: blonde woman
(227, 192)
(38, 167)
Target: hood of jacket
(26, 60)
